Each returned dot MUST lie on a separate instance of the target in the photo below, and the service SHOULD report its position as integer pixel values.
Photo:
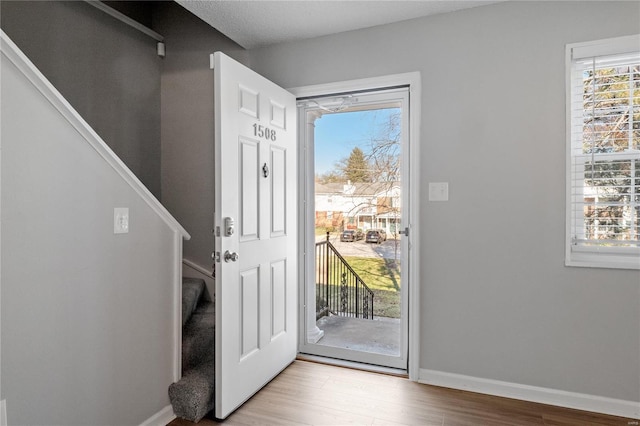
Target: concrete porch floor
(380, 335)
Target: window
(603, 185)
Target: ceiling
(259, 23)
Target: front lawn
(382, 276)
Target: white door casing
(255, 185)
(371, 100)
(413, 80)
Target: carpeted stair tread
(192, 396)
(198, 336)
(192, 289)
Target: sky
(337, 134)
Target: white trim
(578, 401)
(3, 413)
(353, 365)
(371, 83)
(125, 19)
(314, 334)
(161, 418)
(177, 308)
(17, 58)
(3, 406)
(197, 268)
(414, 81)
(567, 167)
(609, 46)
(591, 257)
(415, 114)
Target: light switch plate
(121, 220)
(438, 191)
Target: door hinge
(217, 231)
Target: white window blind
(604, 154)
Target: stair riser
(192, 291)
(193, 396)
(198, 337)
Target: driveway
(386, 250)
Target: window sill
(591, 257)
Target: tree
(332, 176)
(356, 167)
(384, 150)
(611, 135)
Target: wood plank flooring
(318, 394)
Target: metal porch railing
(339, 289)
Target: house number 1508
(264, 132)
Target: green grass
(378, 274)
(382, 276)
(386, 304)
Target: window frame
(582, 255)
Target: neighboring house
(363, 205)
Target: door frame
(413, 81)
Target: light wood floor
(311, 393)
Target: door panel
(278, 191)
(249, 297)
(278, 292)
(249, 189)
(255, 153)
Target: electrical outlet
(121, 220)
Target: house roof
(356, 189)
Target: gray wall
(497, 301)
(86, 315)
(187, 123)
(108, 71)
(156, 114)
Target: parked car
(376, 236)
(351, 235)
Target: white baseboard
(161, 418)
(578, 401)
(3, 413)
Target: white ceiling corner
(259, 23)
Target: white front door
(255, 210)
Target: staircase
(193, 396)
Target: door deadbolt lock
(230, 257)
(229, 226)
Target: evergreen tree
(356, 168)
